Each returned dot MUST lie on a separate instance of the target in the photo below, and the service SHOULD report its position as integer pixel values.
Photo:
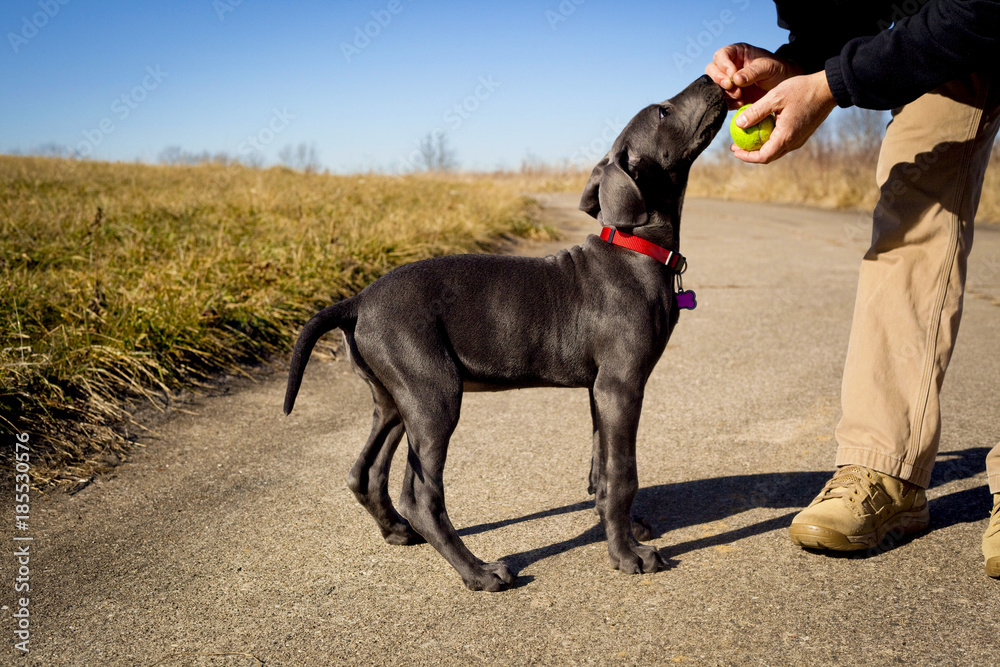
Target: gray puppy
(596, 315)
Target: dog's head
(641, 181)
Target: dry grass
(815, 175)
(124, 282)
(542, 179)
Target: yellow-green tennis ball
(753, 137)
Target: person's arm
(943, 41)
(816, 32)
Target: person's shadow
(668, 507)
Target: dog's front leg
(617, 402)
(641, 529)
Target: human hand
(801, 104)
(747, 72)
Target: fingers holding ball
(753, 137)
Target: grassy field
(123, 282)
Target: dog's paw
(491, 577)
(403, 535)
(637, 559)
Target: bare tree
(177, 155)
(48, 149)
(308, 158)
(860, 132)
(171, 155)
(52, 149)
(286, 156)
(303, 157)
(435, 154)
(254, 160)
(532, 164)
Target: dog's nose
(708, 89)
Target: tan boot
(991, 540)
(857, 508)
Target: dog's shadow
(669, 507)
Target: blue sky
(363, 80)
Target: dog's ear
(613, 197)
(589, 202)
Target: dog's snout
(714, 93)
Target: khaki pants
(909, 303)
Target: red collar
(674, 260)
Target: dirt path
(233, 531)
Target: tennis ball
(753, 137)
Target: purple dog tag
(686, 300)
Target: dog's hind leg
(431, 414)
(618, 402)
(369, 477)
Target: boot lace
(848, 481)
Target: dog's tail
(340, 315)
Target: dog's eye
(663, 113)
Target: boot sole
(817, 537)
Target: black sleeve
(946, 39)
(818, 31)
